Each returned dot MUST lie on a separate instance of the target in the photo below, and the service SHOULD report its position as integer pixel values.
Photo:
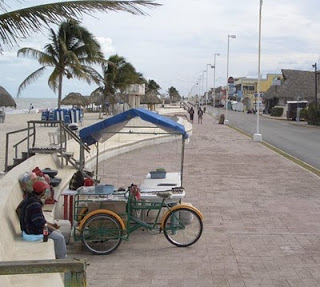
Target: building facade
(246, 89)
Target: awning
(101, 131)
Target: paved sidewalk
(261, 226)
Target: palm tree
(174, 95)
(70, 53)
(116, 76)
(152, 87)
(18, 24)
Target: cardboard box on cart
(119, 207)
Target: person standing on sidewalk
(191, 113)
(200, 114)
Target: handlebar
(126, 194)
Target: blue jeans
(60, 247)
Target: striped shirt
(31, 216)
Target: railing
(75, 270)
(74, 136)
(6, 165)
(31, 145)
(63, 129)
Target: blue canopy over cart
(103, 130)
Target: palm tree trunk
(60, 90)
(113, 100)
(101, 105)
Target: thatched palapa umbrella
(5, 99)
(150, 99)
(96, 98)
(75, 99)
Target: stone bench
(13, 247)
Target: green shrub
(276, 111)
(304, 114)
(314, 115)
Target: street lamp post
(204, 88)
(191, 93)
(206, 92)
(227, 90)
(315, 84)
(214, 81)
(199, 91)
(203, 84)
(257, 137)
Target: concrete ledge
(34, 251)
(13, 247)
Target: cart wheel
(183, 227)
(101, 234)
(82, 213)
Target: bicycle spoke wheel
(183, 227)
(101, 234)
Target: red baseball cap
(39, 186)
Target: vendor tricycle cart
(103, 220)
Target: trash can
(221, 120)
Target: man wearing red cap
(32, 220)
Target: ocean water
(38, 104)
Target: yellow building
(246, 88)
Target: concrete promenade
(261, 226)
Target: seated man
(32, 220)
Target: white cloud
(106, 46)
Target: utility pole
(257, 137)
(315, 84)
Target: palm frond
(85, 73)
(30, 52)
(94, 75)
(31, 78)
(21, 23)
(52, 53)
(53, 80)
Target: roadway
(295, 138)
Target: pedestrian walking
(191, 113)
(200, 114)
(30, 108)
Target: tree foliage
(313, 114)
(152, 87)
(18, 24)
(174, 95)
(117, 75)
(70, 53)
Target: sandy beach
(15, 122)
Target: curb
(293, 159)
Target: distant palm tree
(71, 52)
(152, 87)
(174, 95)
(117, 75)
(18, 24)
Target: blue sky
(174, 44)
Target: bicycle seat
(164, 194)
